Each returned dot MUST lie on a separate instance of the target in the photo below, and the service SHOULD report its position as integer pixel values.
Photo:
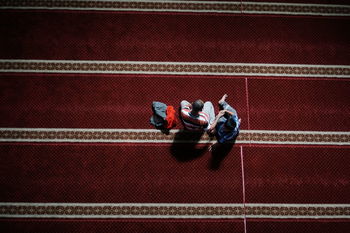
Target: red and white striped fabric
(195, 123)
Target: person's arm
(213, 125)
(231, 113)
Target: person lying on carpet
(226, 124)
(197, 116)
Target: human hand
(210, 130)
(221, 113)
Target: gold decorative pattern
(120, 211)
(145, 210)
(155, 136)
(182, 6)
(176, 68)
(295, 9)
(285, 210)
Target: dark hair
(197, 105)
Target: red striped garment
(194, 123)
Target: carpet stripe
(173, 210)
(183, 6)
(174, 68)
(75, 135)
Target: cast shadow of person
(219, 152)
(186, 146)
(163, 130)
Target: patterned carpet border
(174, 68)
(74, 135)
(173, 210)
(182, 6)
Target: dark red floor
(296, 175)
(130, 226)
(173, 174)
(280, 104)
(122, 173)
(117, 173)
(99, 101)
(158, 37)
(296, 226)
(206, 226)
(121, 101)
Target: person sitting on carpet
(197, 116)
(226, 123)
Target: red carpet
(298, 175)
(129, 226)
(103, 101)
(320, 105)
(151, 37)
(116, 174)
(298, 226)
(157, 186)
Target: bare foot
(223, 99)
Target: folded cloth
(159, 114)
(170, 119)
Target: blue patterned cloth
(223, 135)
